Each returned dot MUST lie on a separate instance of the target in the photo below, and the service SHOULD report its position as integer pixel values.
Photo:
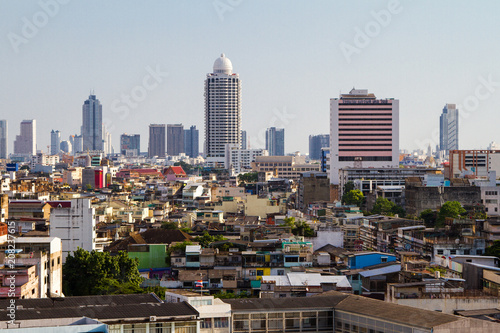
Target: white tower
(222, 110)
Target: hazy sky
(292, 57)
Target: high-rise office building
(448, 128)
(156, 146)
(175, 139)
(191, 142)
(244, 140)
(130, 144)
(222, 110)
(77, 144)
(66, 147)
(55, 142)
(316, 142)
(25, 143)
(107, 143)
(92, 132)
(3, 139)
(364, 132)
(275, 141)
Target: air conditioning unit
(152, 318)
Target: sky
(292, 57)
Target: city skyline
(331, 55)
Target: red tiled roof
(178, 170)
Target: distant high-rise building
(175, 139)
(66, 147)
(191, 142)
(92, 132)
(156, 145)
(77, 144)
(25, 143)
(275, 141)
(244, 140)
(448, 128)
(3, 139)
(55, 142)
(130, 144)
(364, 132)
(107, 143)
(222, 110)
(316, 142)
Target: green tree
(99, 273)
(249, 177)
(158, 290)
(353, 197)
(299, 228)
(207, 239)
(384, 206)
(429, 216)
(169, 225)
(349, 186)
(185, 166)
(493, 250)
(451, 209)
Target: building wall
(154, 258)
(75, 226)
(175, 139)
(364, 132)
(449, 305)
(156, 146)
(420, 198)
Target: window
(260, 272)
(479, 252)
(221, 322)
(440, 252)
(252, 272)
(281, 272)
(453, 252)
(384, 259)
(206, 323)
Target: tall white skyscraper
(364, 132)
(448, 129)
(55, 142)
(25, 143)
(3, 139)
(222, 110)
(92, 133)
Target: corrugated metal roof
(381, 271)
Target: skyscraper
(448, 128)
(25, 143)
(364, 132)
(175, 139)
(275, 141)
(107, 144)
(3, 139)
(243, 139)
(66, 147)
(222, 110)
(191, 142)
(55, 142)
(77, 144)
(156, 146)
(92, 133)
(130, 143)
(316, 142)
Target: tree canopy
(185, 166)
(451, 209)
(353, 197)
(249, 177)
(207, 239)
(385, 207)
(493, 250)
(429, 216)
(99, 273)
(300, 228)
